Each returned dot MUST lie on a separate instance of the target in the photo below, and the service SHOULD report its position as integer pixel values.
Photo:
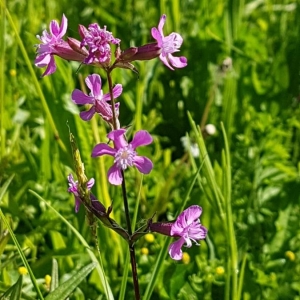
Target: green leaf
(54, 275)
(5, 186)
(17, 288)
(14, 292)
(64, 290)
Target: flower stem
(131, 245)
(124, 193)
(114, 119)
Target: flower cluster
(95, 48)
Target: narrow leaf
(64, 290)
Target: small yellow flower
(290, 255)
(149, 237)
(12, 72)
(220, 270)
(48, 280)
(23, 271)
(186, 258)
(145, 251)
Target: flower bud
(76, 46)
(145, 52)
(161, 227)
(65, 51)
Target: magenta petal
(192, 213)
(161, 24)
(157, 36)
(164, 59)
(143, 164)
(87, 115)
(80, 98)
(63, 26)
(141, 138)
(94, 84)
(177, 62)
(51, 67)
(102, 149)
(42, 60)
(117, 91)
(118, 137)
(90, 183)
(175, 249)
(114, 175)
(54, 28)
(198, 232)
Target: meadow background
(248, 184)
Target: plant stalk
(126, 206)
(131, 245)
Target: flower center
(124, 157)
(171, 44)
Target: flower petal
(165, 61)
(54, 28)
(177, 62)
(42, 60)
(102, 149)
(157, 36)
(63, 26)
(114, 175)
(51, 67)
(94, 84)
(141, 138)
(118, 137)
(161, 24)
(90, 183)
(198, 232)
(175, 249)
(143, 164)
(192, 213)
(117, 91)
(81, 98)
(87, 115)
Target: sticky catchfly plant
(73, 188)
(188, 228)
(125, 154)
(97, 99)
(168, 45)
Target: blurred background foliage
(243, 70)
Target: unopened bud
(145, 52)
(161, 227)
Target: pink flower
(98, 41)
(188, 228)
(53, 44)
(73, 188)
(168, 45)
(125, 154)
(97, 99)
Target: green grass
(246, 177)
